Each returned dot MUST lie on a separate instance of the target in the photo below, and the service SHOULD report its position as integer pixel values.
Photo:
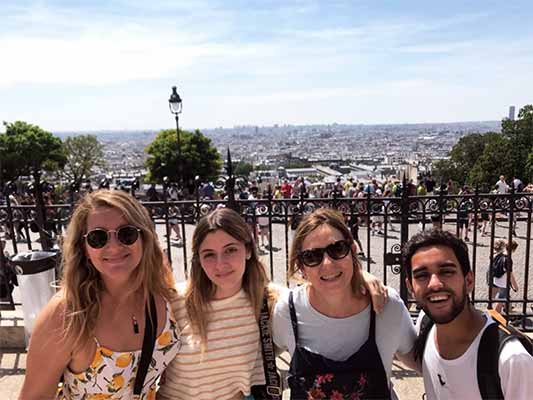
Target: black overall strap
(150, 332)
(294, 321)
(372, 328)
(272, 378)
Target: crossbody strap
(273, 380)
(150, 332)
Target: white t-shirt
(457, 379)
(502, 187)
(339, 338)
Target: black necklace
(135, 324)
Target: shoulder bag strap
(272, 378)
(487, 363)
(150, 332)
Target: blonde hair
(200, 290)
(82, 285)
(320, 217)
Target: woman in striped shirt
(217, 313)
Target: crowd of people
(121, 327)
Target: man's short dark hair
(435, 237)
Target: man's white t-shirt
(457, 379)
(502, 187)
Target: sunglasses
(98, 238)
(314, 257)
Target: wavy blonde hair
(320, 217)
(200, 290)
(82, 285)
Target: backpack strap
(488, 356)
(421, 340)
(495, 337)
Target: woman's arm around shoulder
(281, 319)
(49, 353)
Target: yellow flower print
(106, 352)
(164, 339)
(123, 360)
(151, 394)
(97, 360)
(99, 396)
(118, 381)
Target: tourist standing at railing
(116, 283)
(339, 347)
(502, 186)
(452, 331)
(502, 264)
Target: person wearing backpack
(466, 354)
(501, 264)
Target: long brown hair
(200, 290)
(82, 285)
(322, 216)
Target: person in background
(500, 290)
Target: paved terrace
(407, 384)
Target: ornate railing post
(230, 185)
(167, 229)
(404, 234)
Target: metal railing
(505, 216)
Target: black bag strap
(150, 332)
(421, 340)
(272, 378)
(490, 346)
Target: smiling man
(440, 278)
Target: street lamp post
(175, 105)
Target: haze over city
(71, 66)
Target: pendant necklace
(135, 324)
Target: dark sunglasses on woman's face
(98, 238)
(314, 257)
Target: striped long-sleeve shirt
(232, 362)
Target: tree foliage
(242, 168)
(27, 149)
(84, 152)
(520, 134)
(198, 157)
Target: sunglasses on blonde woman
(98, 238)
(314, 257)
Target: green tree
(199, 157)
(520, 133)
(529, 166)
(84, 152)
(492, 162)
(242, 168)
(29, 150)
(465, 155)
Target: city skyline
(110, 65)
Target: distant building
(511, 113)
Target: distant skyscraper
(511, 113)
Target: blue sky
(89, 65)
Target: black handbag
(272, 389)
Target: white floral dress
(111, 374)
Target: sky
(110, 65)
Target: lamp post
(175, 105)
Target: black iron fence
(381, 225)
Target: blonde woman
(218, 313)
(339, 347)
(92, 331)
